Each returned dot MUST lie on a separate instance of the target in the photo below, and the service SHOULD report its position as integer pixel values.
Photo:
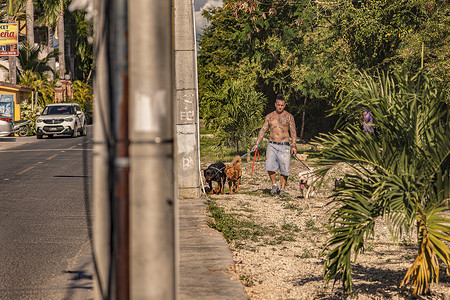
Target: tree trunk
(303, 118)
(51, 61)
(12, 70)
(30, 22)
(61, 37)
(70, 59)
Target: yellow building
(11, 95)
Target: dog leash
(253, 165)
(243, 156)
(235, 160)
(308, 168)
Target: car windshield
(58, 110)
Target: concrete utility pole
(152, 179)
(102, 123)
(187, 118)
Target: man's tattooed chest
(279, 122)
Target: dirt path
(281, 257)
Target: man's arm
(293, 134)
(262, 132)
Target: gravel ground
(289, 264)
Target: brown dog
(234, 174)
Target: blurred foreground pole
(134, 181)
(152, 180)
(111, 161)
(187, 149)
(102, 123)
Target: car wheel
(84, 130)
(39, 136)
(23, 131)
(75, 132)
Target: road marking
(26, 170)
(48, 158)
(39, 150)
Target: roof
(15, 87)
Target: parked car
(61, 118)
(6, 127)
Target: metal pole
(119, 78)
(152, 180)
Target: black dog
(339, 183)
(216, 172)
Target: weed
(246, 280)
(243, 203)
(232, 228)
(310, 223)
(290, 227)
(293, 207)
(407, 257)
(305, 254)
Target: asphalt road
(45, 195)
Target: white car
(6, 127)
(61, 118)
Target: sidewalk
(204, 257)
(14, 141)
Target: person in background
(368, 122)
(278, 155)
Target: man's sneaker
(274, 189)
(283, 193)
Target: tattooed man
(278, 155)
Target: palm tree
(29, 8)
(400, 173)
(61, 35)
(11, 12)
(44, 87)
(29, 60)
(50, 19)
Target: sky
(199, 6)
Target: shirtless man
(278, 155)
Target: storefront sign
(9, 39)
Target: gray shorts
(278, 157)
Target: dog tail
(237, 160)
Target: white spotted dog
(306, 180)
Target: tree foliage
(240, 114)
(315, 49)
(400, 173)
(45, 88)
